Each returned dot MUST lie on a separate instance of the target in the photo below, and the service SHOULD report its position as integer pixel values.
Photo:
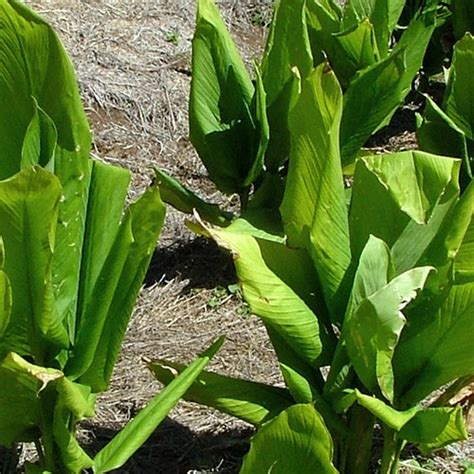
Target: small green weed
(173, 37)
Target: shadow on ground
(199, 261)
(172, 449)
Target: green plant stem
(46, 447)
(358, 451)
(244, 199)
(392, 447)
(466, 158)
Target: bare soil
(133, 66)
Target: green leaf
(354, 49)
(383, 14)
(73, 404)
(314, 207)
(146, 217)
(370, 100)
(436, 345)
(33, 59)
(259, 223)
(300, 377)
(106, 199)
(296, 437)
(40, 105)
(221, 126)
(434, 428)
(372, 330)
(117, 452)
(304, 382)
(322, 22)
(395, 419)
(252, 402)
(287, 47)
(377, 91)
(181, 198)
(278, 293)
(20, 406)
(415, 192)
(437, 133)
(40, 141)
(104, 252)
(28, 212)
(263, 128)
(457, 103)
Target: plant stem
(244, 199)
(392, 447)
(46, 447)
(358, 452)
(466, 158)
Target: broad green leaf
(371, 98)
(377, 91)
(28, 212)
(174, 193)
(322, 22)
(287, 47)
(383, 14)
(103, 253)
(252, 402)
(20, 405)
(300, 377)
(415, 180)
(354, 49)
(221, 126)
(260, 223)
(457, 103)
(34, 60)
(278, 293)
(454, 240)
(436, 346)
(106, 199)
(136, 432)
(45, 104)
(314, 207)
(415, 192)
(296, 437)
(395, 419)
(437, 133)
(434, 428)
(372, 330)
(147, 217)
(414, 41)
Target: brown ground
(133, 65)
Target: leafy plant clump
(367, 299)
(239, 125)
(72, 259)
